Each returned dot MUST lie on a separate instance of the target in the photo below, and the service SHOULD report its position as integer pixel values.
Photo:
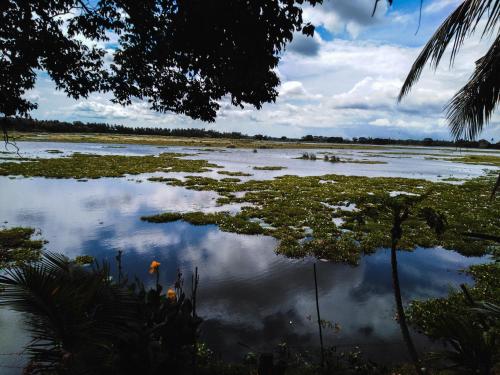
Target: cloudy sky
(343, 82)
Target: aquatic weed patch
(294, 206)
(80, 166)
(269, 168)
(236, 174)
(226, 222)
(17, 247)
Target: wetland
(254, 224)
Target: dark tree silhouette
(180, 56)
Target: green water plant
(268, 168)
(299, 207)
(80, 166)
(235, 174)
(18, 247)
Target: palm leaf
(72, 311)
(460, 24)
(473, 105)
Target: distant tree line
(55, 126)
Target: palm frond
(460, 24)
(71, 310)
(473, 105)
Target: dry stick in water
(319, 317)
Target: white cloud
(338, 16)
(439, 5)
(343, 87)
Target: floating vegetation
(165, 217)
(226, 222)
(269, 168)
(17, 247)
(81, 166)
(162, 179)
(236, 174)
(291, 203)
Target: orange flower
(154, 266)
(171, 295)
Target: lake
(250, 297)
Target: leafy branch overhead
(178, 56)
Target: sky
(343, 81)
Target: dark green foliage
(473, 340)
(177, 56)
(17, 247)
(84, 323)
(469, 326)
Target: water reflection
(247, 293)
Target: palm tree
(472, 106)
(82, 322)
(76, 317)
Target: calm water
(248, 295)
